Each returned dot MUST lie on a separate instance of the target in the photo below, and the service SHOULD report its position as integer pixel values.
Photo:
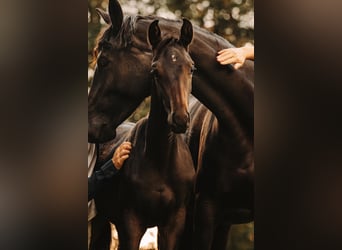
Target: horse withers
(156, 183)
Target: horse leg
(130, 232)
(170, 233)
(100, 236)
(204, 222)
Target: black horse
(122, 79)
(156, 182)
(225, 171)
(118, 88)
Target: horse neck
(159, 136)
(217, 103)
(234, 86)
(229, 143)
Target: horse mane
(124, 36)
(130, 25)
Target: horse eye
(106, 46)
(102, 62)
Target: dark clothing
(97, 179)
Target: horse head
(119, 65)
(122, 76)
(172, 69)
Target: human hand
(235, 56)
(121, 154)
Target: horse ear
(104, 15)
(154, 34)
(116, 16)
(186, 33)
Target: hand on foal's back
(121, 154)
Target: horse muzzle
(100, 134)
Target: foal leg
(186, 240)
(204, 222)
(130, 232)
(169, 234)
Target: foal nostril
(181, 119)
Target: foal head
(172, 69)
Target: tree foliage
(232, 19)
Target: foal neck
(159, 136)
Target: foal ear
(116, 16)
(154, 34)
(186, 33)
(105, 16)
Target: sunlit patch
(148, 242)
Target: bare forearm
(249, 52)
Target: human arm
(108, 170)
(235, 56)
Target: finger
(124, 152)
(225, 57)
(121, 150)
(225, 60)
(127, 146)
(222, 51)
(124, 157)
(226, 53)
(237, 65)
(229, 61)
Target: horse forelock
(122, 39)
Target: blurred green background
(231, 19)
